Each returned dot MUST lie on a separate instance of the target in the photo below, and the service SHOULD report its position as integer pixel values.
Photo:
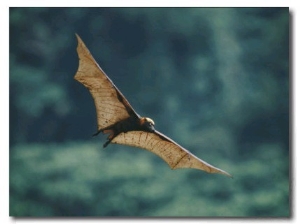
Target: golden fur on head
(146, 119)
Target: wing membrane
(172, 153)
(111, 105)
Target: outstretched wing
(111, 105)
(172, 153)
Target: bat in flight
(117, 118)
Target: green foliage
(82, 179)
(216, 80)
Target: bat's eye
(150, 127)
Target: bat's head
(147, 124)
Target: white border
(4, 121)
(154, 3)
(4, 46)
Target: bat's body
(129, 124)
(116, 117)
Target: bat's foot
(106, 143)
(110, 137)
(97, 133)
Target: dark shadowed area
(216, 80)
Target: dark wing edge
(81, 48)
(198, 164)
(171, 152)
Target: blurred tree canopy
(216, 80)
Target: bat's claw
(97, 133)
(106, 143)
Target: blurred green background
(216, 80)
